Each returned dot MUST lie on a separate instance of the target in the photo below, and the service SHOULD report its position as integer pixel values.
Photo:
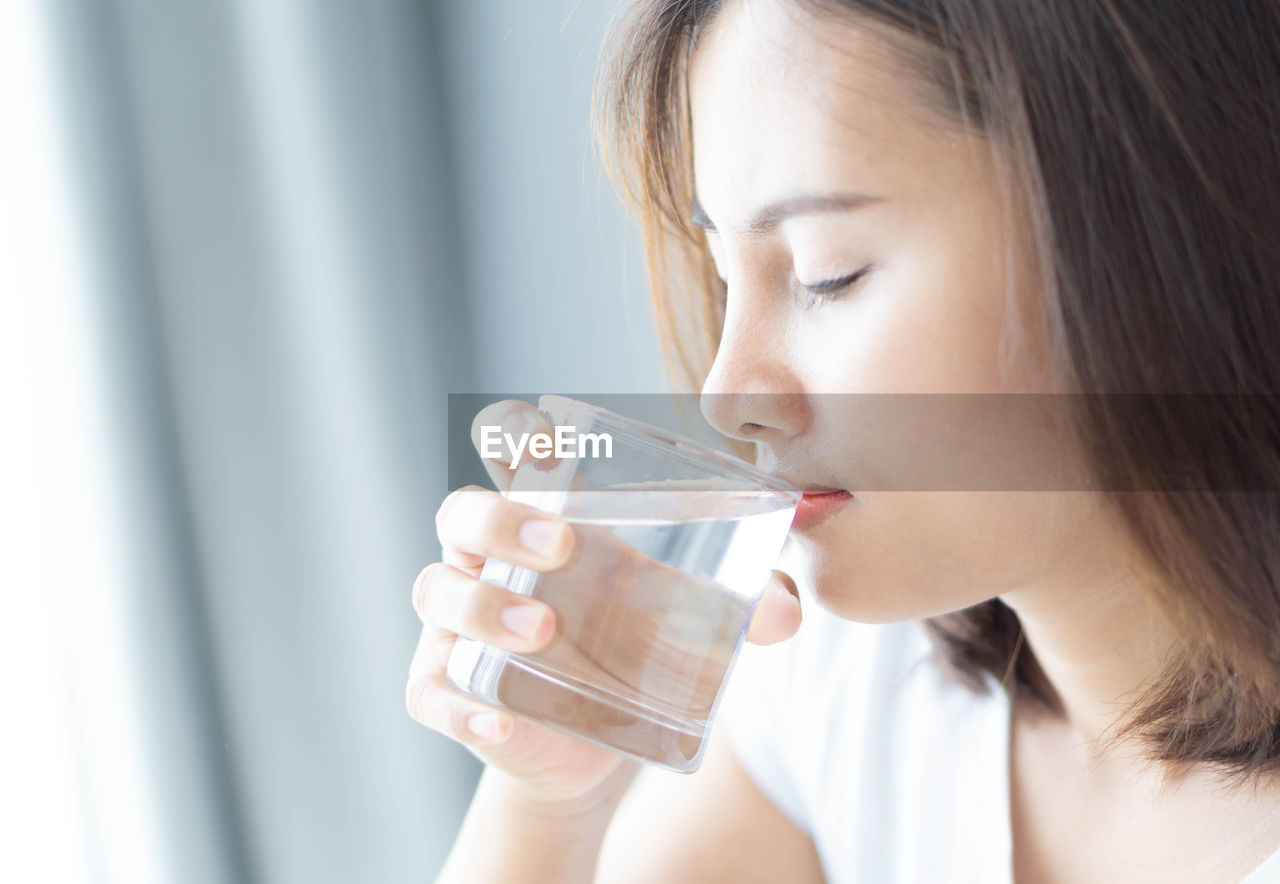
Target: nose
(752, 392)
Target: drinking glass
(673, 544)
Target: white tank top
(896, 771)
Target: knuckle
(418, 699)
(476, 610)
(491, 511)
(424, 661)
(443, 650)
(510, 517)
(428, 704)
(455, 722)
(445, 512)
(422, 585)
(495, 414)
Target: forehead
(783, 99)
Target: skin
(785, 105)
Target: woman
(959, 197)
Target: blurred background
(247, 249)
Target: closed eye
(829, 287)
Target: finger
(777, 616)
(489, 431)
(474, 523)
(431, 655)
(451, 600)
(431, 702)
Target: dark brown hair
(1144, 141)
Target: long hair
(1144, 141)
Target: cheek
(931, 317)
(916, 327)
(904, 555)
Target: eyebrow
(766, 219)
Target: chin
(833, 581)
(891, 558)
(848, 583)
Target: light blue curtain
(305, 223)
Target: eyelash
(825, 290)
(830, 288)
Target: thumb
(777, 616)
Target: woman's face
(820, 120)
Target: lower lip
(814, 508)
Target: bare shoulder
(713, 825)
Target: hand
(474, 523)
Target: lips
(817, 505)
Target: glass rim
(675, 445)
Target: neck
(1100, 644)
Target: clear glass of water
(674, 542)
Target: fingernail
(523, 620)
(541, 536)
(484, 725)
